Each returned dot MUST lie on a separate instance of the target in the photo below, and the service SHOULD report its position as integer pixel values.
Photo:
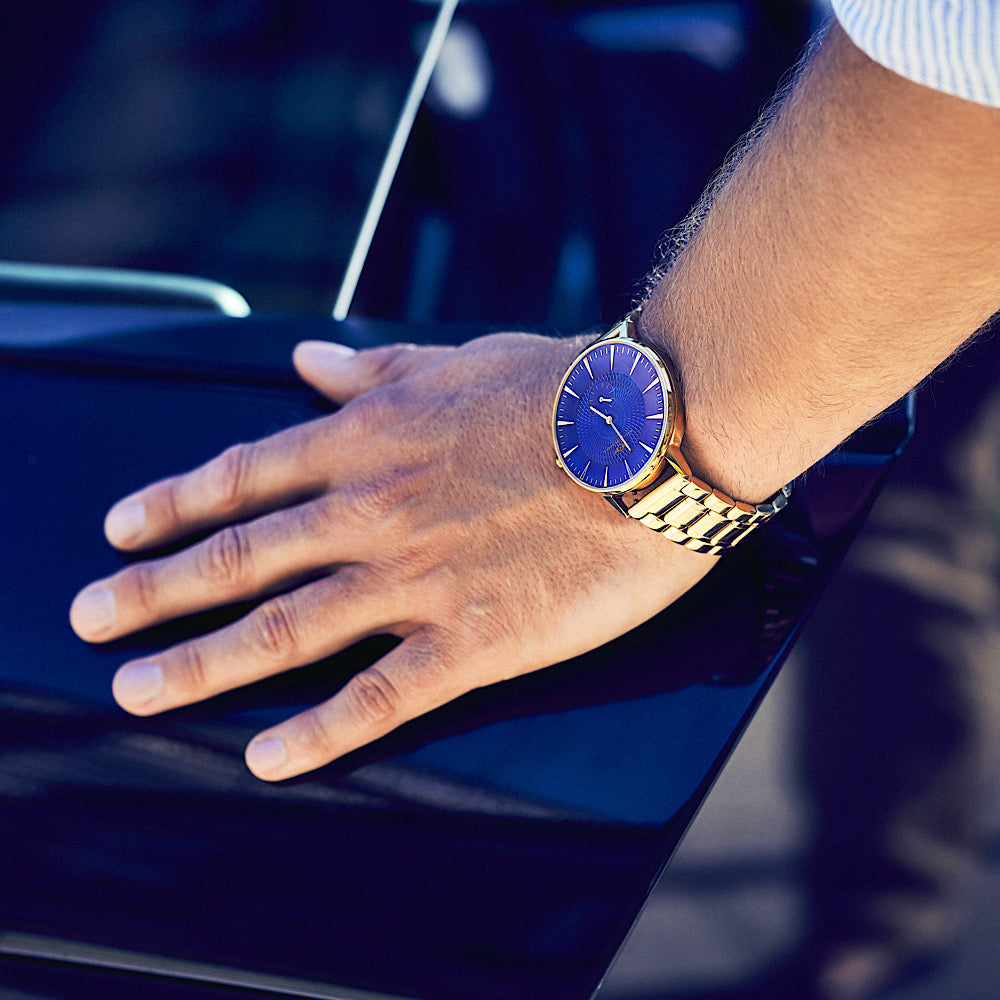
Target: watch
(617, 424)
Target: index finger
(243, 480)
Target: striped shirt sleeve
(950, 45)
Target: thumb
(341, 373)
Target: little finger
(407, 682)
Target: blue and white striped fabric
(950, 45)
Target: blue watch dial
(611, 416)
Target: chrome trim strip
(39, 947)
(108, 280)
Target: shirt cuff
(950, 45)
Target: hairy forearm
(853, 247)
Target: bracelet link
(699, 518)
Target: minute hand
(611, 423)
(609, 420)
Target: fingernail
(136, 685)
(266, 756)
(125, 522)
(94, 610)
(324, 350)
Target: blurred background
(239, 140)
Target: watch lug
(675, 458)
(616, 502)
(624, 330)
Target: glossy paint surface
(498, 847)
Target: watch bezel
(671, 432)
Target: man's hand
(850, 251)
(428, 507)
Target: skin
(854, 248)
(848, 253)
(475, 564)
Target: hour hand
(606, 417)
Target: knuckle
(381, 496)
(318, 520)
(225, 559)
(141, 583)
(171, 502)
(365, 415)
(189, 673)
(368, 501)
(429, 663)
(390, 363)
(274, 630)
(371, 500)
(316, 737)
(354, 581)
(485, 621)
(229, 476)
(371, 698)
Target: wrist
(848, 252)
(729, 440)
(618, 426)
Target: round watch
(617, 425)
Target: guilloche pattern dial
(612, 416)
